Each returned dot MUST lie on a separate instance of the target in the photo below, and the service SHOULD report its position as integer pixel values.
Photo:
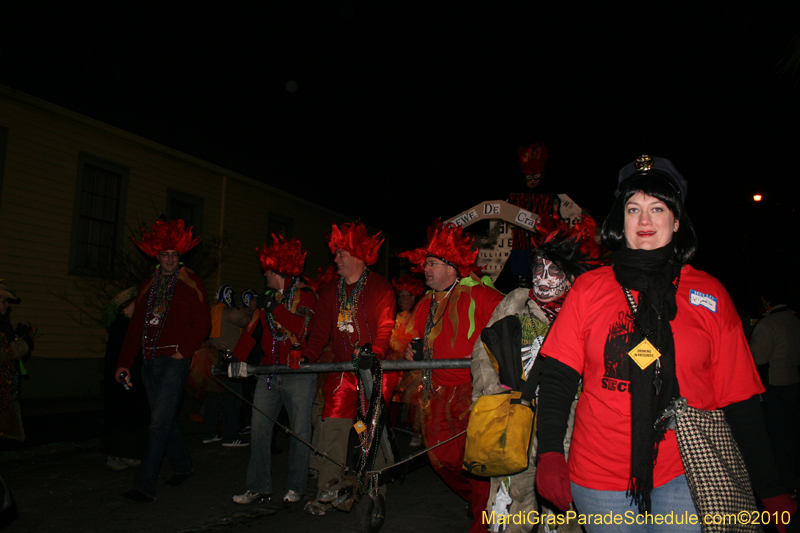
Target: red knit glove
(777, 506)
(552, 479)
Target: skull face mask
(549, 281)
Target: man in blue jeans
(281, 320)
(169, 323)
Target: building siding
(44, 144)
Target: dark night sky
(429, 101)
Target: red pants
(447, 414)
(341, 397)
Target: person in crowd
(169, 323)
(532, 161)
(355, 310)
(249, 301)
(450, 319)
(281, 321)
(776, 350)
(560, 256)
(126, 412)
(227, 323)
(536, 197)
(409, 289)
(249, 298)
(643, 332)
(17, 344)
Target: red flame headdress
(322, 277)
(167, 236)
(450, 244)
(353, 238)
(532, 159)
(410, 283)
(284, 257)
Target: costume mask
(549, 281)
(226, 295)
(247, 296)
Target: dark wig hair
(565, 251)
(659, 186)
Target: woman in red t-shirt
(641, 333)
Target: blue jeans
(163, 379)
(670, 500)
(296, 392)
(229, 405)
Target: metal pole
(346, 366)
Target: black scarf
(651, 273)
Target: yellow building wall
(36, 217)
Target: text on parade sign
(466, 217)
(525, 218)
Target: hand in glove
(267, 303)
(776, 506)
(224, 360)
(552, 479)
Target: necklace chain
(427, 349)
(277, 332)
(435, 306)
(157, 297)
(348, 308)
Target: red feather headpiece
(410, 283)
(353, 238)
(450, 244)
(532, 159)
(284, 257)
(322, 277)
(167, 236)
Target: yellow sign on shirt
(644, 354)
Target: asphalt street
(63, 485)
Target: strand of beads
(150, 311)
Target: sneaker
(416, 440)
(215, 438)
(238, 443)
(317, 508)
(327, 496)
(292, 497)
(245, 430)
(115, 463)
(250, 497)
(131, 462)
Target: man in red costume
(357, 309)
(169, 323)
(281, 321)
(450, 319)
